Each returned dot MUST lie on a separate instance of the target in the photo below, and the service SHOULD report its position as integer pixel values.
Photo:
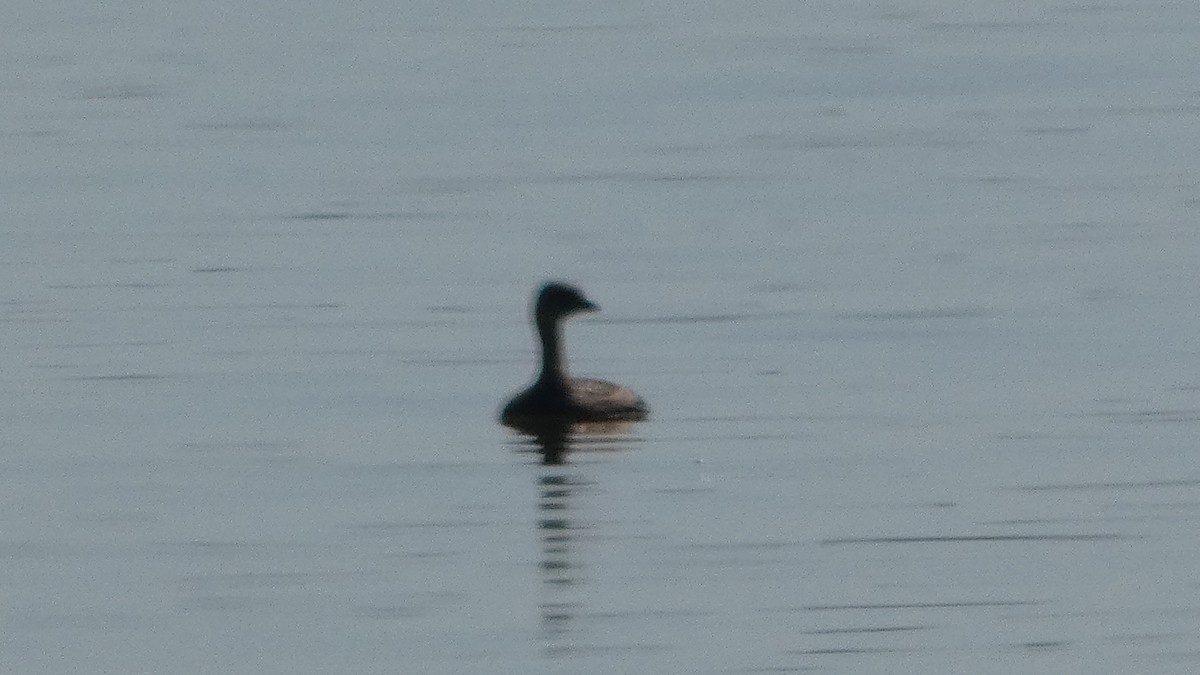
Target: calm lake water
(910, 288)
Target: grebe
(556, 398)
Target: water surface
(909, 287)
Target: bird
(555, 398)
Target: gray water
(910, 287)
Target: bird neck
(554, 363)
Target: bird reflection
(555, 439)
(561, 570)
(559, 488)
